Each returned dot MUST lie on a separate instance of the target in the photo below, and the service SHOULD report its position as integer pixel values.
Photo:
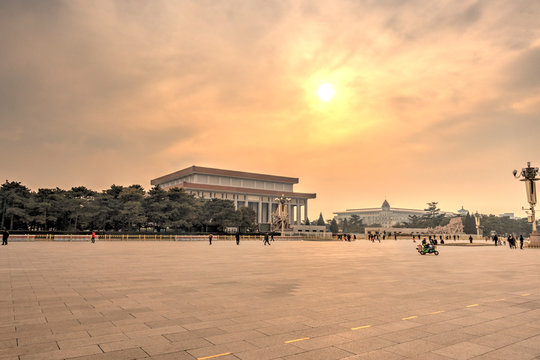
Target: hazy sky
(435, 100)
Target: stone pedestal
(534, 240)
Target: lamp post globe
(529, 176)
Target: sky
(434, 100)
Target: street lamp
(477, 221)
(528, 175)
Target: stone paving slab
(288, 301)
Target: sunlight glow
(326, 92)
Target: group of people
(267, 238)
(512, 242)
(346, 237)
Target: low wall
(153, 237)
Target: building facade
(257, 191)
(385, 216)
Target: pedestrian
(266, 239)
(509, 239)
(237, 236)
(521, 242)
(93, 237)
(470, 239)
(271, 236)
(210, 239)
(5, 236)
(495, 239)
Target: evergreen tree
(469, 225)
(320, 221)
(334, 227)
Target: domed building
(385, 216)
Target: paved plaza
(291, 301)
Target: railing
(168, 237)
(152, 237)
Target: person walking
(509, 239)
(470, 239)
(271, 236)
(237, 237)
(210, 239)
(5, 236)
(93, 237)
(266, 239)
(495, 239)
(521, 242)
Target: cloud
(137, 89)
(523, 74)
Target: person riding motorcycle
(426, 244)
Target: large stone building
(385, 216)
(257, 191)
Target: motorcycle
(423, 250)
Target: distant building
(462, 211)
(508, 215)
(384, 216)
(257, 191)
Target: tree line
(119, 208)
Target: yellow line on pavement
(501, 299)
(473, 305)
(436, 312)
(410, 317)
(295, 340)
(213, 356)
(525, 294)
(361, 327)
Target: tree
(356, 224)
(247, 218)
(505, 225)
(131, 210)
(185, 210)
(17, 198)
(433, 216)
(156, 206)
(334, 229)
(307, 221)
(219, 213)
(320, 221)
(469, 225)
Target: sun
(326, 92)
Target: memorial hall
(257, 191)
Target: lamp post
(477, 222)
(528, 175)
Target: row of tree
(118, 208)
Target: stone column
(259, 215)
(298, 213)
(305, 209)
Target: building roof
(233, 189)
(220, 172)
